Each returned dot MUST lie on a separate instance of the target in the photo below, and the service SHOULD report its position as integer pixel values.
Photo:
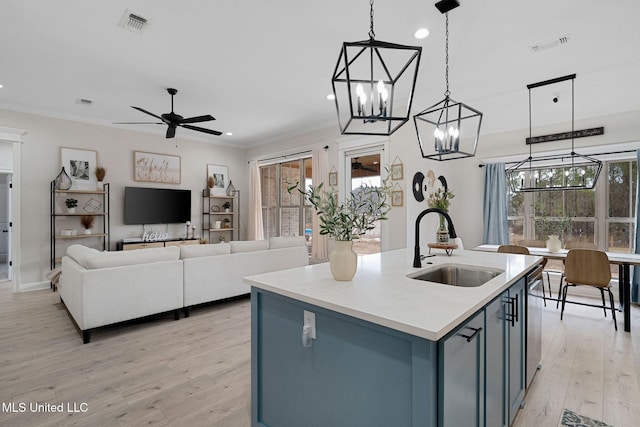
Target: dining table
(624, 262)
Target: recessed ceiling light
(1, 86)
(422, 33)
(229, 133)
(331, 97)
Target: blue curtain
(496, 226)
(636, 270)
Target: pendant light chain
(446, 55)
(372, 34)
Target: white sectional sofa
(214, 272)
(102, 288)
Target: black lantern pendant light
(449, 129)
(580, 172)
(373, 85)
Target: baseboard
(33, 286)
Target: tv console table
(127, 246)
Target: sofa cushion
(249, 246)
(80, 253)
(195, 251)
(286, 242)
(136, 256)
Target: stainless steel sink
(457, 275)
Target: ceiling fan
(173, 120)
(356, 165)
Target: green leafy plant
(440, 199)
(549, 226)
(226, 205)
(71, 203)
(352, 218)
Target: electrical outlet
(310, 320)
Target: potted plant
(87, 222)
(71, 204)
(221, 239)
(551, 228)
(441, 199)
(226, 206)
(100, 172)
(348, 220)
(227, 223)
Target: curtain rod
(284, 156)
(568, 155)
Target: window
(621, 205)
(285, 213)
(604, 215)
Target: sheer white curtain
(320, 173)
(256, 229)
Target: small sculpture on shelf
(63, 180)
(71, 204)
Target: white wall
(464, 176)
(115, 147)
(41, 163)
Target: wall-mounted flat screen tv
(156, 205)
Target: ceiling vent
(550, 44)
(133, 22)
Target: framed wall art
(220, 176)
(80, 166)
(333, 177)
(396, 169)
(397, 196)
(155, 167)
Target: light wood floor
(196, 371)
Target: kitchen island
(380, 350)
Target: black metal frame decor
(371, 81)
(450, 129)
(575, 176)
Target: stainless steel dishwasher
(534, 324)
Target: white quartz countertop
(382, 293)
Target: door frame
(14, 137)
(346, 147)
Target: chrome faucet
(417, 259)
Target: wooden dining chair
(572, 244)
(588, 267)
(535, 243)
(522, 250)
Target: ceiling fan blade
(197, 119)
(138, 123)
(199, 129)
(171, 131)
(146, 112)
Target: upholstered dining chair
(588, 267)
(522, 250)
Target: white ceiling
(263, 68)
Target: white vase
(553, 243)
(71, 210)
(87, 231)
(343, 261)
(100, 186)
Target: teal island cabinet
(386, 349)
